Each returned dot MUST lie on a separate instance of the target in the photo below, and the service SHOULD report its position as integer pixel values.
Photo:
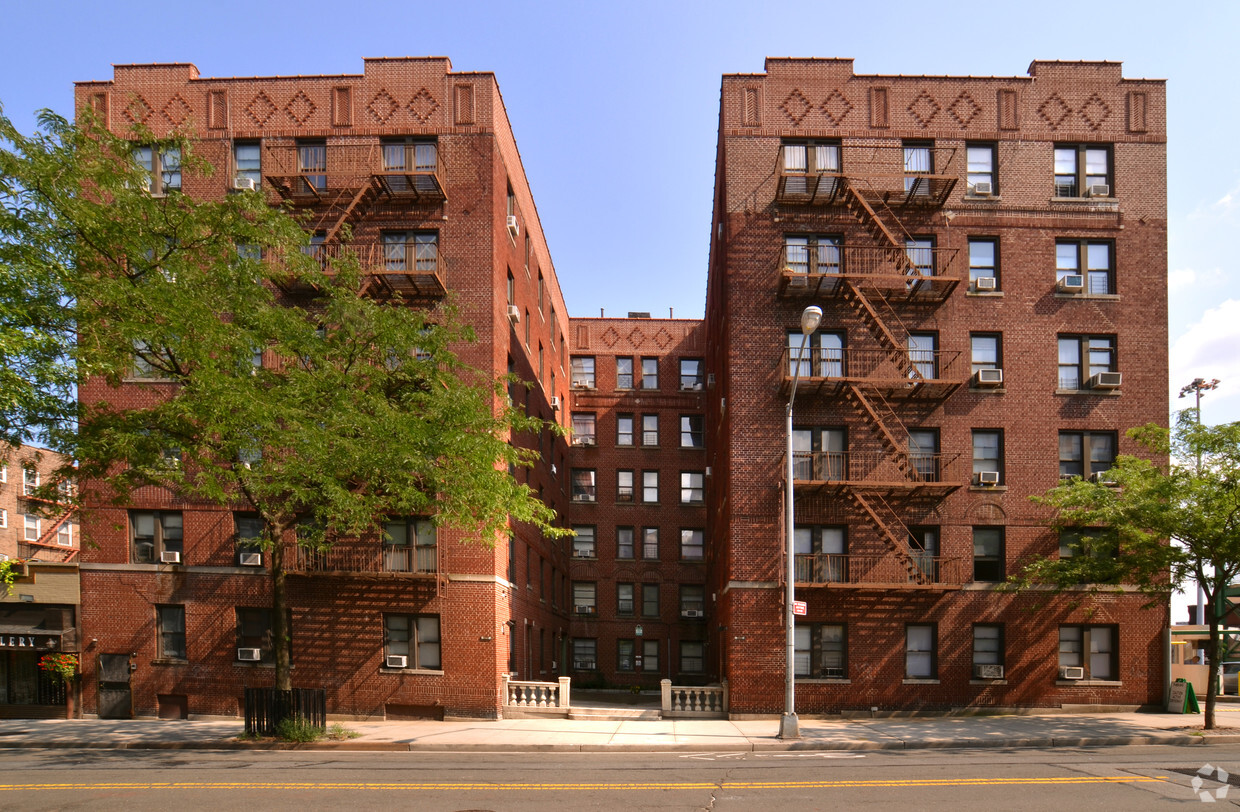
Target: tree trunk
(279, 614)
(1213, 658)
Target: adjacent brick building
(990, 257)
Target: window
(1075, 462)
(248, 162)
(585, 654)
(153, 533)
(512, 201)
(923, 452)
(582, 367)
(624, 542)
(624, 599)
(410, 251)
(986, 350)
(692, 545)
(650, 429)
(981, 168)
(583, 428)
(826, 348)
(170, 644)
(918, 162)
(812, 254)
(512, 560)
(650, 600)
(1088, 258)
(650, 486)
(254, 632)
(923, 356)
(312, 167)
(650, 655)
(150, 362)
(249, 538)
(409, 545)
(1093, 648)
(819, 455)
(1096, 542)
(541, 284)
(583, 542)
(988, 560)
(624, 429)
(920, 253)
(692, 657)
(408, 156)
(819, 651)
(987, 457)
(414, 637)
(650, 543)
(650, 373)
(692, 431)
(33, 526)
(923, 551)
(163, 166)
(1083, 357)
(984, 263)
(691, 373)
(64, 534)
(821, 554)
(584, 485)
(624, 373)
(919, 651)
(527, 328)
(585, 597)
(4, 517)
(624, 486)
(692, 487)
(988, 644)
(1080, 169)
(30, 481)
(511, 290)
(812, 159)
(692, 600)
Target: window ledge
(971, 198)
(1091, 683)
(988, 682)
(1099, 202)
(988, 390)
(1108, 297)
(823, 681)
(988, 488)
(421, 672)
(169, 661)
(917, 681)
(985, 294)
(1097, 393)
(247, 664)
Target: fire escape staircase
(894, 533)
(46, 540)
(891, 432)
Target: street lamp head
(810, 319)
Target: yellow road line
(507, 787)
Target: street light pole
(789, 727)
(1198, 386)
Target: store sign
(29, 641)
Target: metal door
(115, 695)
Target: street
(1130, 778)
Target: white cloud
(1181, 278)
(1210, 348)
(1225, 200)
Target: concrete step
(613, 714)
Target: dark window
(414, 637)
(585, 485)
(1083, 357)
(650, 655)
(988, 554)
(585, 654)
(692, 431)
(988, 644)
(923, 551)
(821, 651)
(692, 600)
(624, 543)
(624, 599)
(624, 655)
(1085, 454)
(154, 533)
(585, 597)
(692, 657)
(691, 373)
(171, 632)
(254, 632)
(583, 542)
(650, 600)
(1083, 170)
(692, 545)
(249, 539)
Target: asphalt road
(1129, 778)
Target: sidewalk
(680, 735)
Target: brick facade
(30, 529)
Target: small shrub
(298, 730)
(338, 732)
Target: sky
(615, 109)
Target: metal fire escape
(880, 282)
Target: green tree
(1141, 505)
(359, 408)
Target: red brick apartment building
(990, 257)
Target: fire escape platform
(901, 288)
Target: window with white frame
(920, 655)
(64, 534)
(33, 525)
(30, 481)
(4, 518)
(414, 637)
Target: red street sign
(799, 608)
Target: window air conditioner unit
(584, 665)
(580, 383)
(244, 184)
(691, 387)
(691, 613)
(1104, 478)
(249, 655)
(1098, 190)
(584, 609)
(170, 557)
(555, 401)
(583, 441)
(1072, 283)
(1106, 380)
(513, 228)
(710, 379)
(251, 559)
(982, 189)
(514, 315)
(986, 283)
(1072, 672)
(708, 470)
(988, 671)
(583, 554)
(988, 377)
(397, 661)
(988, 477)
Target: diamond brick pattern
(835, 107)
(138, 110)
(610, 337)
(923, 109)
(300, 108)
(382, 106)
(796, 107)
(964, 109)
(423, 105)
(1095, 111)
(1054, 110)
(261, 108)
(177, 110)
